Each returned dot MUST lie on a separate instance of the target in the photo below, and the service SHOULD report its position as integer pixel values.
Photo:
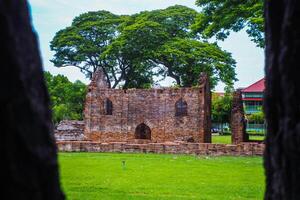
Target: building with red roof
(253, 96)
(253, 101)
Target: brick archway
(142, 131)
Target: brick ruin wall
(69, 130)
(242, 149)
(153, 107)
(156, 108)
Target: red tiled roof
(258, 86)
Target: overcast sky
(50, 16)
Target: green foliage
(185, 59)
(82, 44)
(156, 176)
(132, 50)
(174, 20)
(60, 112)
(221, 108)
(219, 17)
(257, 117)
(67, 98)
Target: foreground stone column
(28, 151)
(282, 99)
(237, 122)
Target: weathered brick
(69, 130)
(246, 149)
(238, 123)
(153, 108)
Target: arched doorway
(143, 131)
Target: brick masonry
(242, 149)
(105, 131)
(151, 109)
(238, 123)
(69, 130)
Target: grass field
(153, 176)
(226, 139)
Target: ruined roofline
(166, 90)
(149, 89)
(99, 81)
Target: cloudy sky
(49, 16)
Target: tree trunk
(282, 99)
(222, 131)
(28, 152)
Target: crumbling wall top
(99, 79)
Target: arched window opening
(143, 131)
(108, 107)
(181, 108)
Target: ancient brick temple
(147, 115)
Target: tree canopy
(135, 50)
(82, 44)
(221, 107)
(185, 59)
(219, 17)
(257, 117)
(67, 98)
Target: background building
(147, 115)
(253, 97)
(253, 102)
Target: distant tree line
(67, 98)
(221, 107)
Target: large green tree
(134, 50)
(176, 51)
(94, 41)
(130, 52)
(175, 20)
(185, 59)
(220, 17)
(82, 44)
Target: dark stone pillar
(27, 147)
(238, 122)
(206, 106)
(282, 99)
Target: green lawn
(153, 176)
(226, 139)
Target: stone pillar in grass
(238, 122)
(206, 106)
